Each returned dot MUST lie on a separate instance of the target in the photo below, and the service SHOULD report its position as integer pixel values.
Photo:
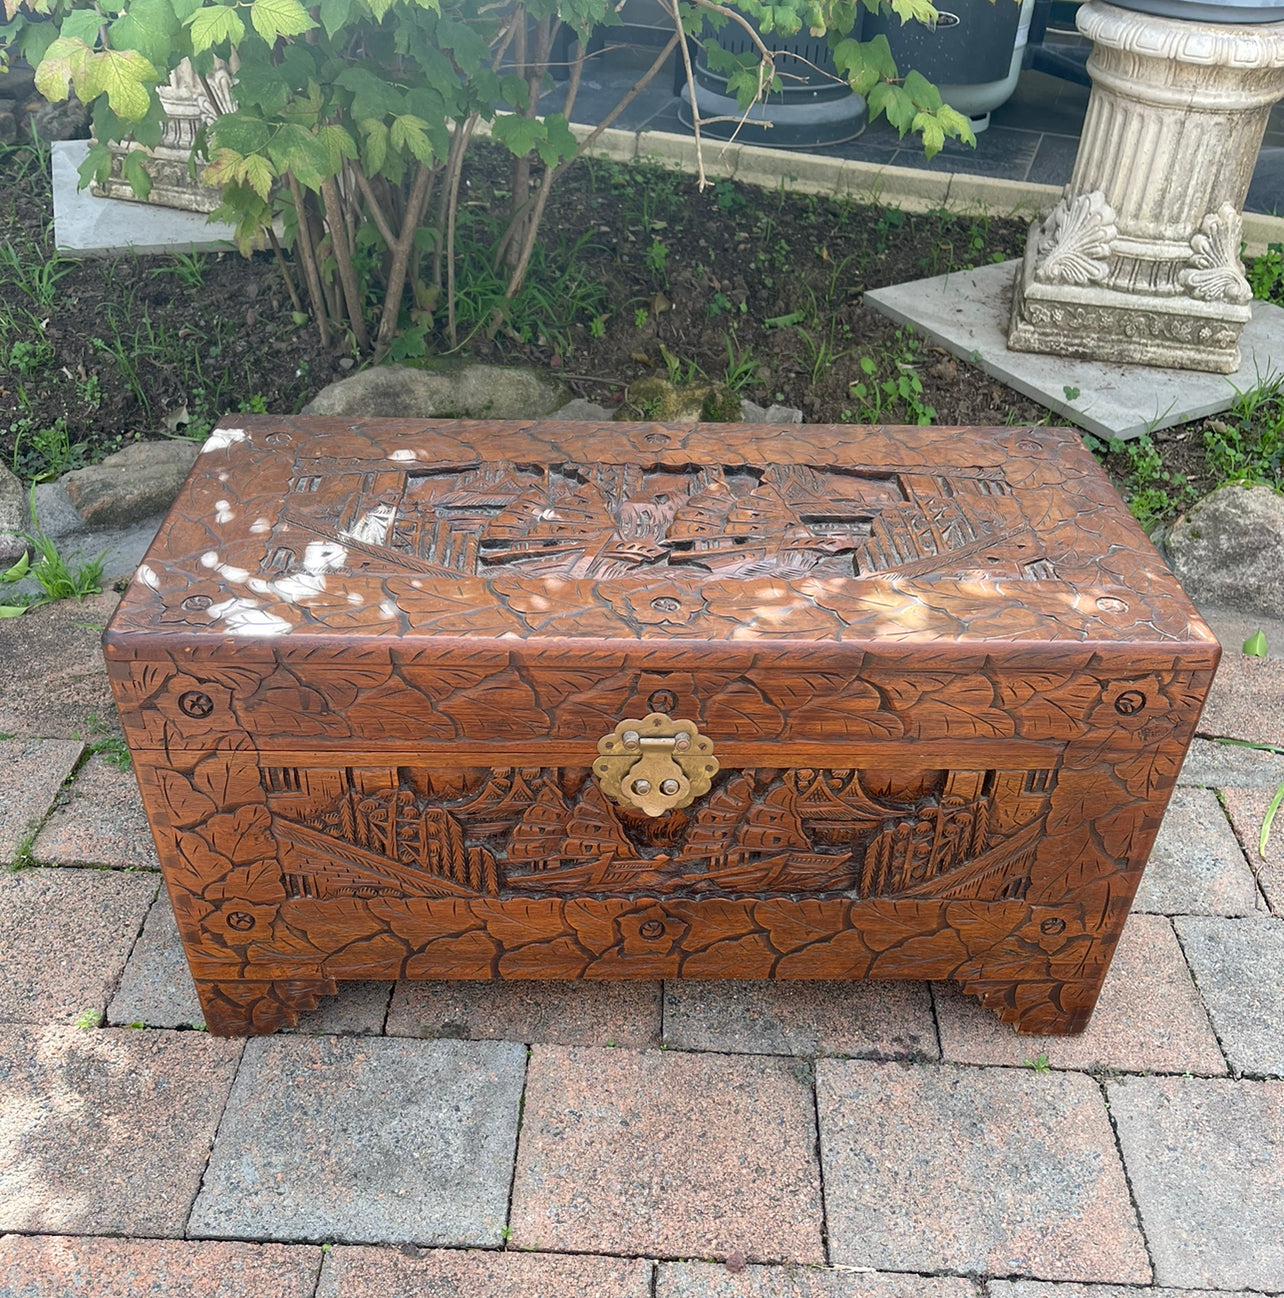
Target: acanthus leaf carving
(1214, 272)
(1073, 243)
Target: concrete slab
(622, 1013)
(662, 1153)
(1196, 866)
(1149, 1019)
(351, 1272)
(104, 1132)
(1237, 964)
(967, 312)
(32, 772)
(99, 820)
(366, 1141)
(156, 988)
(1245, 700)
(710, 1280)
(1210, 764)
(983, 1170)
(874, 1020)
(66, 935)
(1038, 1289)
(85, 226)
(1248, 809)
(357, 1011)
(1203, 1159)
(45, 1266)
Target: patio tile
(1054, 160)
(351, 1272)
(106, 1132)
(1247, 809)
(1038, 1289)
(1226, 766)
(1244, 700)
(98, 821)
(621, 1013)
(53, 1266)
(365, 1141)
(653, 1152)
(156, 988)
(54, 676)
(358, 1010)
(65, 935)
(32, 772)
(1196, 866)
(865, 1020)
(1149, 1019)
(1203, 1159)
(1238, 965)
(712, 1280)
(989, 1170)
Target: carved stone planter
(190, 103)
(1139, 261)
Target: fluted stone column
(1139, 261)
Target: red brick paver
(387, 1273)
(99, 821)
(52, 1266)
(996, 1171)
(107, 1132)
(1248, 808)
(1149, 1019)
(32, 772)
(710, 1280)
(668, 1154)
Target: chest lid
(308, 545)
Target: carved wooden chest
(484, 700)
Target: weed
(48, 452)
(30, 358)
(36, 276)
(100, 738)
(89, 390)
(89, 1019)
(657, 259)
(640, 316)
(1039, 1064)
(597, 327)
(727, 197)
(189, 267)
(677, 374)
(254, 404)
(899, 394)
(1248, 446)
(1266, 273)
(741, 369)
(56, 577)
(1072, 394)
(1153, 493)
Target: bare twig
(285, 269)
(343, 259)
(308, 255)
(465, 133)
(402, 247)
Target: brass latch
(655, 765)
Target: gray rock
(133, 484)
(8, 124)
(14, 517)
(18, 81)
(587, 411)
(1229, 549)
(449, 389)
(753, 413)
(66, 121)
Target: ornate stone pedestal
(1139, 261)
(190, 102)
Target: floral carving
(1214, 273)
(1073, 244)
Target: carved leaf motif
(1074, 242)
(1214, 272)
(473, 955)
(752, 954)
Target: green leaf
(516, 91)
(889, 98)
(408, 132)
(561, 143)
(1269, 819)
(865, 63)
(372, 96)
(96, 166)
(19, 569)
(933, 136)
(518, 134)
(955, 125)
(149, 26)
(334, 13)
(785, 321)
(339, 144)
(273, 18)
(294, 149)
(184, 9)
(82, 25)
(259, 175)
(12, 610)
(374, 146)
(1255, 646)
(240, 132)
(135, 172)
(123, 75)
(922, 91)
(213, 25)
(65, 61)
(469, 48)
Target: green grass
(1248, 445)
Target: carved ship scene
(612, 521)
(403, 832)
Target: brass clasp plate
(656, 764)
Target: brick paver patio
(646, 1140)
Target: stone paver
(156, 988)
(1247, 809)
(1205, 1165)
(1239, 966)
(1239, 704)
(106, 1132)
(352, 1272)
(662, 1153)
(358, 1010)
(366, 1141)
(99, 821)
(865, 1020)
(1196, 866)
(32, 772)
(1149, 1018)
(997, 1171)
(1038, 1289)
(1222, 766)
(710, 1280)
(622, 1013)
(65, 936)
(53, 677)
(52, 1266)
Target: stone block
(465, 389)
(99, 820)
(1244, 702)
(710, 1280)
(1239, 966)
(1149, 1019)
(1196, 866)
(863, 1020)
(982, 1170)
(1209, 764)
(1203, 1159)
(66, 935)
(661, 1153)
(357, 1011)
(135, 483)
(351, 1272)
(107, 1132)
(1038, 1289)
(14, 518)
(34, 1266)
(156, 988)
(911, 189)
(1247, 809)
(32, 772)
(590, 1013)
(366, 1140)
